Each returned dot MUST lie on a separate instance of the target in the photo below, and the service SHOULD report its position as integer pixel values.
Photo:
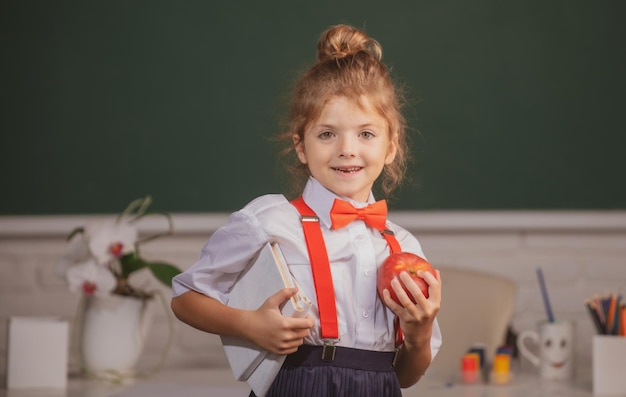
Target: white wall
(581, 253)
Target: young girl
(346, 130)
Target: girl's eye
(326, 135)
(367, 134)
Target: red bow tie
(343, 213)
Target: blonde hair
(349, 64)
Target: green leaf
(164, 272)
(131, 263)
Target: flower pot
(113, 333)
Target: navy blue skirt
(353, 372)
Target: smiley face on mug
(556, 350)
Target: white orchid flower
(100, 256)
(91, 278)
(111, 239)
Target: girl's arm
(266, 326)
(416, 321)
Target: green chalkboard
(514, 104)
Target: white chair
(476, 307)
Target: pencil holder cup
(609, 361)
(554, 345)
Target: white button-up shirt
(354, 252)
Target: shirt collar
(321, 200)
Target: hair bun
(340, 41)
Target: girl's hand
(272, 331)
(416, 319)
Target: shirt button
(368, 272)
(360, 237)
(366, 314)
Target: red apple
(396, 263)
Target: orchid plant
(101, 256)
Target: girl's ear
(393, 149)
(298, 146)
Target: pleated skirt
(353, 372)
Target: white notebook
(268, 274)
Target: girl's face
(347, 147)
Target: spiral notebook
(268, 274)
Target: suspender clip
(395, 357)
(328, 351)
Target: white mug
(555, 345)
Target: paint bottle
(501, 371)
(470, 368)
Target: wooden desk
(219, 382)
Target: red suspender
(320, 267)
(394, 246)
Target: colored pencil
(594, 317)
(544, 294)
